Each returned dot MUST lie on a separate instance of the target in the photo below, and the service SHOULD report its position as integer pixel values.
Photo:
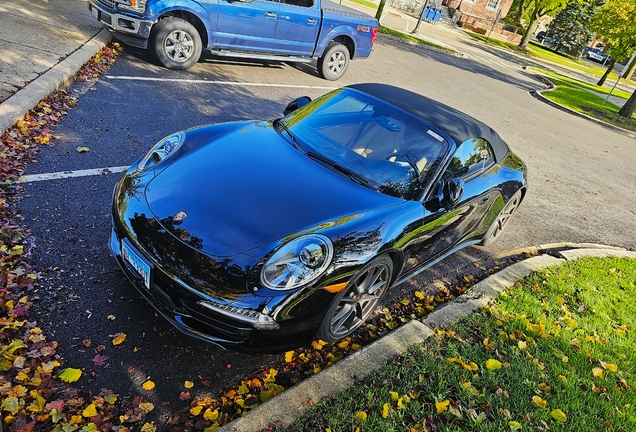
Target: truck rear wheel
(176, 43)
(334, 62)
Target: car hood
(250, 187)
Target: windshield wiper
(346, 171)
(294, 141)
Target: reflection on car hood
(248, 188)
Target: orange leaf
(119, 338)
(148, 385)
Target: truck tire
(176, 43)
(334, 62)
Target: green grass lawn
(583, 84)
(580, 100)
(555, 352)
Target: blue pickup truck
(176, 31)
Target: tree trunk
(629, 107)
(628, 73)
(523, 45)
(610, 68)
(378, 14)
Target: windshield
(393, 152)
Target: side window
(301, 3)
(471, 158)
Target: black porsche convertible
(260, 235)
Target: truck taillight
(374, 34)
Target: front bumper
(128, 29)
(223, 326)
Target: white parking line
(232, 83)
(70, 174)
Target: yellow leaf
(442, 406)
(558, 415)
(149, 427)
(361, 416)
(148, 385)
(419, 295)
(70, 375)
(523, 346)
(492, 364)
(89, 411)
(318, 344)
(188, 384)
(76, 419)
(541, 403)
(119, 338)
(211, 415)
(289, 356)
(565, 359)
(597, 372)
(196, 410)
(394, 395)
(562, 378)
(385, 410)
(514, 425)
(611, 367)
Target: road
(580, 175)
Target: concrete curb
(538, 94)
(284, 408)
(15, 107)
(449, 51)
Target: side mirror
(453, 191)
(296, 103)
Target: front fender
(161, 8)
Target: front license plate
(95, 12)
(136, 262)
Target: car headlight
(162, 150)
(133, 5)
(297, 263)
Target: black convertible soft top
(456, 124)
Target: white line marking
(232, 83)
(71, 174)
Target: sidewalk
(44, 43)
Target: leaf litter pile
(36, 390)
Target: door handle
(311, 21)
(269, 14)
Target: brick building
(480, 15)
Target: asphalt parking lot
(578, 171)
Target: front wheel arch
(358, 300)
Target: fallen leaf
(492, 364)
(184, 396)
(558, 415)
(514, 425)
(541, 403)
(148, 385)
(289, 356)
(89, 411)
(361, 416)
(119, 338)
(82, 149)
(196, 410)
(442, 406)
(70, 375)
(99, 360)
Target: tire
(334, 62)
(502, 219)
(353, 305)
(176, 43)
